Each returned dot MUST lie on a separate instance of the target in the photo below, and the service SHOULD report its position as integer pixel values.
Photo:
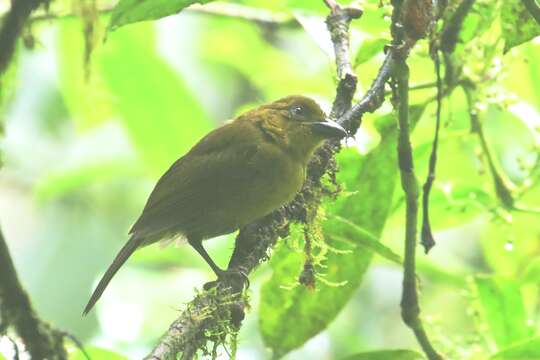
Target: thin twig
(533, 8)
(12, 25)
(338, 25)
(427, 235)
(410, 308)
(422, 86)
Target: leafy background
(85, 140)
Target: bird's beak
(328, 129)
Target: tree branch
(410, 308)
(12, 26)
(427, 235)
(41, 341)
(338, 25)
(533, 9)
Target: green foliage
(131, 11)
(369, 49)
(527, 349)
(503, 310)
(95, 353)
(158, 110)
(82, 85)
(518, 26)
(386, 354)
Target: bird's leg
(221, 274)
(197, 245)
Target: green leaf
(95, 353)
(518, 26)
(386, 354)
(502, 308)
(158, 110)
(132, 11)
(532, 272)
(479, 19)
(83, 89)
(348, 232)
(370, 182)
(368, 50)
(525, 350)
(62, 181)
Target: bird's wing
(195, 183)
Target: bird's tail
(118, 261)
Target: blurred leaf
(525, 350)
(518, 26)
(510, 242)
(368, 49)
(370, 183)
(502, 309)
(302, 69)
(459, 193)
(479, 19)
(532, 273)
(132, 11)
(95, 353)
(386, 355)
(61, 182)
(348, 232)
(315, 7)
(83, 89)
(315, 27)
(161, 115)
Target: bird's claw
(229, 276)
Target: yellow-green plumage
(235, 175)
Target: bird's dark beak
(328, 129)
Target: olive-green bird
(235, 175)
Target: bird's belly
(267, 191)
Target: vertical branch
(338, 26)
(427, 235)
(410, 309)
(12, 26)
(41, 341)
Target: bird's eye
(297, 111)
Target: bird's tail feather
(120, 259)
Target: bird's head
(297, 124)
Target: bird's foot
(233, 277)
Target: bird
(234, 175)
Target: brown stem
(533, 9)
(40, 340)
(12, 26)
(410, 308)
